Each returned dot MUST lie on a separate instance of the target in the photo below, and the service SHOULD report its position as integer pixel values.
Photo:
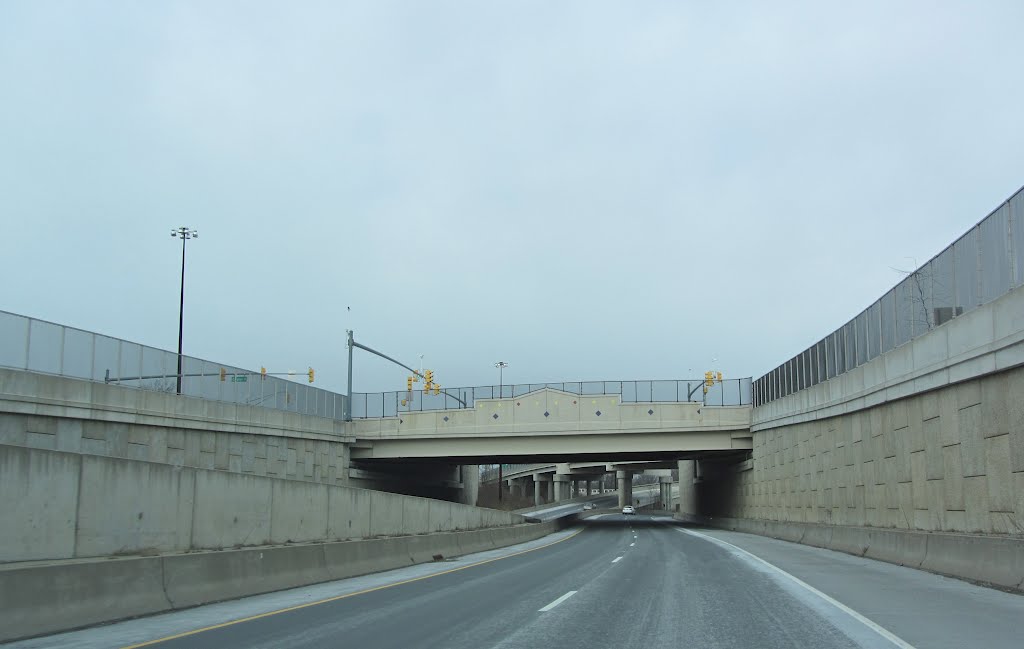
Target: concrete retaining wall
(991, 560)
(93, 592)
(60, 505)
(64, 414)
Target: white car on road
(628, 509)
(588, 506)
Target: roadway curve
(637, 581)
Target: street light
(184, 234)
(501, 365)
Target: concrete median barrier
(104, 590)
(993, 560)
(997, 561)
(194, 579)
(49, 598)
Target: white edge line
(880, 630)
(557, 601)
(616, 559)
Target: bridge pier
(625, 480)
(541, 489)
(561, 487)
(665, 486)
(687, 488)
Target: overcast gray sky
(586, 190)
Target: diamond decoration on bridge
(650, 412)
(598, 413)
(547, 414)
(495, 415)
(446, 417)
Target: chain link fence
(982, 265)
(47, 348)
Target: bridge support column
(665, 484)
(687, 488)
(575, 491)
(625, 479)
(561, 484)
(592, 485)
(541, 489)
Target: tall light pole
(501, 365)
(184, 234)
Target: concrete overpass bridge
(553, 425)
(580, 437)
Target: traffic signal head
(429, 375)
(437, 389)
(719, 377)
(709, 379)
(312, 375)
(223, 374)
(263, 372)
(408, 383)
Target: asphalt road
(667, 590)
(618, 581)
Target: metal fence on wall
(731, 392)
(48, 348)
(980, 266)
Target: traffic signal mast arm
(710, 378)
(426, 375)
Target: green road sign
(239, 379)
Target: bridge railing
(47, 348)
(731, 392)
(489, 473)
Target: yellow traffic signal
(429, 374)
(709, 379)
(719, 377)
(408, 383)
(437, 389)
(263, 372)
(312, 375)
(223, 374)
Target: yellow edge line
(337, 597)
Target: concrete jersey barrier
(50, 598)
(989, 560)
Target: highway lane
(624, 581)
(619, 582)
